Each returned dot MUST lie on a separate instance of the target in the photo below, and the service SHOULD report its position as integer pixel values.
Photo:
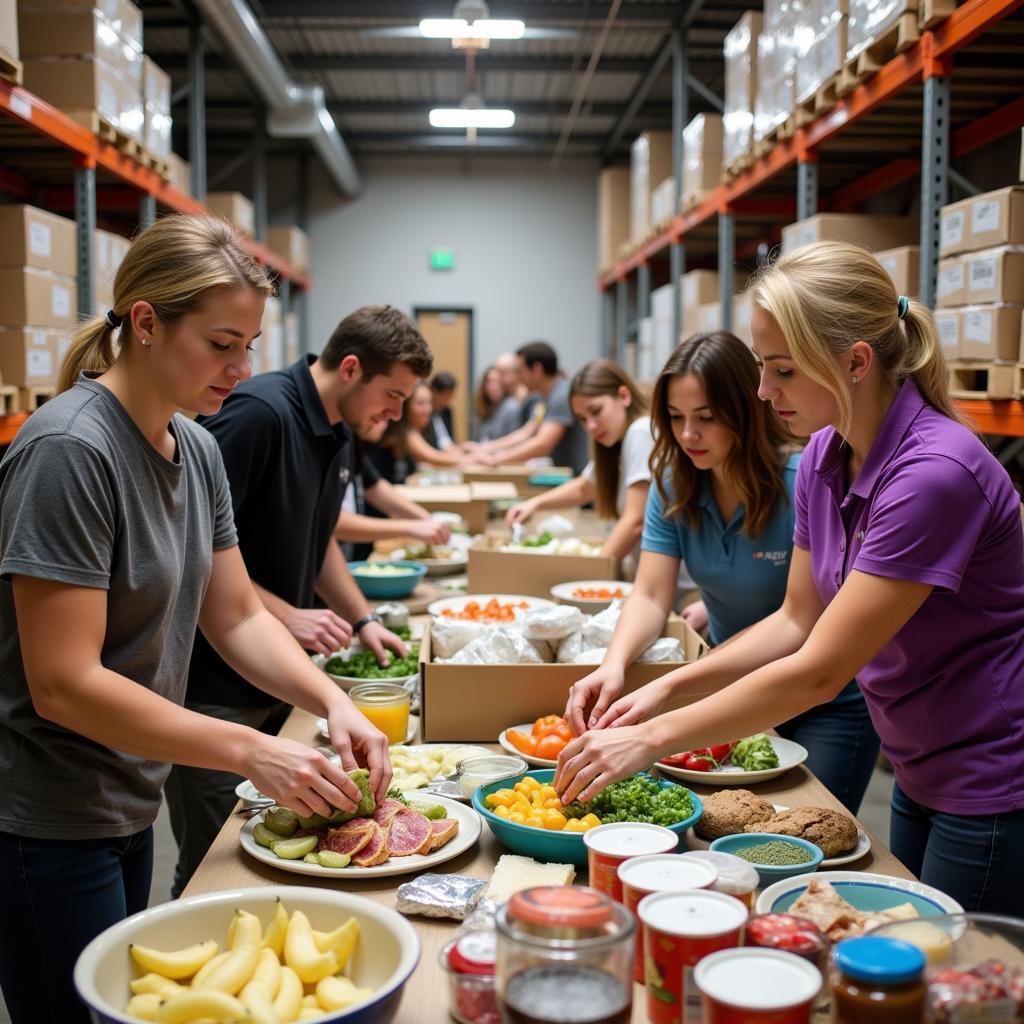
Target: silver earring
(854, 379)
(146, 344)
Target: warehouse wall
(524, 242)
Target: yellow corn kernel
(528, 782)
(501, 797)
(574, 825)
(553, 803)
(517, 816)
(554, 821)
(590, 820)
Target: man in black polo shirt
(284, 437)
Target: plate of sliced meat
(396, 840)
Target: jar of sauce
(565, 956)
(877, 981)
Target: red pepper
(698, 762)
(721, 751)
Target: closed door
(449, 333)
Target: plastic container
(484, 769)
(609, 846)
(643, 876)
(386, 705)
(680, 929)
(468, 963)
(564, 953)
(736, 877)
(756, 986)
(877, 980)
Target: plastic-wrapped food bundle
(557, 526)
(592, 656)
(666, 648)
(570, 649)
(598, 631)
(555, 623)
(447, 638)
(504, 645)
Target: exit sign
(442, 259)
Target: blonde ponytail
(826, 296)
(173, 265)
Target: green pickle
(312, 858)
(294, 849)
(264, 836)
(282, 821)
(435, 812)
(332, 859)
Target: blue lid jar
(878, 960)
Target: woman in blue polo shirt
(725, 473)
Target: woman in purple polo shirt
(907, 572)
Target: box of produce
(536, 564)
(532, 656)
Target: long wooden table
(226, 866)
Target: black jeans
(57, 896)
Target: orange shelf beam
(1005, 417)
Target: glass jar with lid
(386, 705)
(877, 980)
(565, 956)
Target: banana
(143, 1006)
(309, 1013)
(288, 1000)
(255, 998)
(311, 1001)
(188, 1006)
(276, 930)
(155, 984)
(177, 963)
(301, 954)
(342, 941)
(240, 963)
(268, 972)
(339, 993)
(204, 972)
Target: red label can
(608, 846)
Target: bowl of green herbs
(774, 856)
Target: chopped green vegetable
(777, 852)
(363, 665)
(394, 793)
(638, 798)
(539, 541)
(435, 812)
(755, 754)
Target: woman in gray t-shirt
(116, 540)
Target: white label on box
(40, 239)
(37, 338)
(889, 265)
(39, 363)
(109, 105)
(984, 216)
(978, 326)
(952, 230)
(21, 106)
(947, 328)
(951, 278)
(982, 275)
(60, 301)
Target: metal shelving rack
(907, 110)
(50, 160)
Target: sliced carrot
(523, 743)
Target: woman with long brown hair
(613, 411)
(724, 471)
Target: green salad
(638, 798)
(755, 754)
(541, 540)
(363, 665)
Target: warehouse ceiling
(381, 78)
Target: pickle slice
(282, 821)
(264, 836)
(294, 849)
(333, 859)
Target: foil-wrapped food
(434, 895)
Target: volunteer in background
(439, 431)
(116, 538)
(607, 401)
(497, 412)
(724, 474)
(284, 438)
(908, 572)
(559, 435)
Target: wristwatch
(365, 621)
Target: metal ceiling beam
(439, 140)
(343, 108)
(411, 10)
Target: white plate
(790, 755)
(767, 899)
(862, 847)
(249, 794)
(469, 832)
(564, 592)
(456, 604)
(537, 762)
(414, 724)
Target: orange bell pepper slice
(523, 743)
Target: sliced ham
(387, 810)
(349, 838)
(376, 850)
(442, 831)
(411, 833)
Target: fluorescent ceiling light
(482, 28)
(468, 117)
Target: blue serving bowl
(770, 873)
(385, 956)
(559, 847)
(548, 479)
(392, 586)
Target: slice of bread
(513, 873)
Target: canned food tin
(608, 846)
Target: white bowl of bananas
(283, 953)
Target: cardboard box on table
(525, 572)
(471, 501)
(474, 703)
(519, 476)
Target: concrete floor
(874, 814)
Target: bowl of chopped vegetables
(348, 668)
(514, 811)
(387, 580)
(774, 856)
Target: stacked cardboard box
(650, 164)
(778, 48)
(156, 108)
(662, 340)
(903, 265)
(108, 251)
(870, 19)
(269, 346)
(38, 301)
(869, 231)
(179, 173)
(824, 23)
(702, 157)
(292, 244)
(700, 287)
(9, 48)
(663, 202)
(235, 208)
(741, 76)
(85, 56)
(981, 277)
(613, 214)
(292, 341)
(644, 366)
(742, 310)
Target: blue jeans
(974, 859)
(842, 745)
(56, 896)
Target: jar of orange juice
(386, 705)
